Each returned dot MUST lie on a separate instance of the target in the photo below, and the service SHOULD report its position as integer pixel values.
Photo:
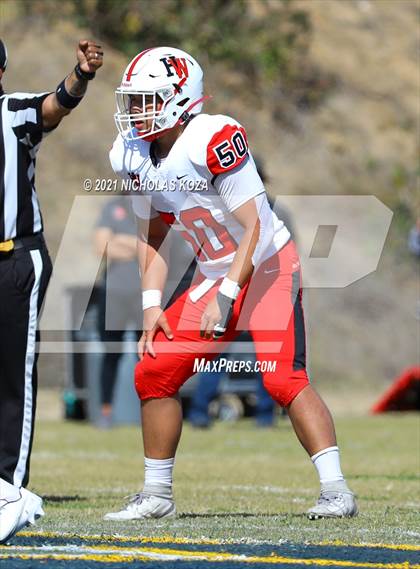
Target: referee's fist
(89, 56)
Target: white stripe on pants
(29, 365)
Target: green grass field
(233, 482)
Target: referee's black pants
(24, 277)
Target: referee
(25, 269)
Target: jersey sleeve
(218, 144)
(239, 185)
(27, 120)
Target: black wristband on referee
(80, 74)
(65, 99)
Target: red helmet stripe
(197, 102)
(134, 63)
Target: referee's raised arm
(71, 90)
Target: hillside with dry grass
(358, 135)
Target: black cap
(3, 56)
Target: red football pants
(269, 306)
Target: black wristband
(80, 74)
(226, 309)
(65, 99)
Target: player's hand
(216, 317)
(89, 55)
(154, 318)
(211, 316)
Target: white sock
(327, 463)
(158, 476)
(8, 491)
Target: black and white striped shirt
(21, 133)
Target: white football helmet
(167, 84)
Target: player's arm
(237, 182)
(153, 254)
(219, 309)
(72, 89)
(242, 266)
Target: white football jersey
(208, 173)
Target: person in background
(119, 308)
(413, 242)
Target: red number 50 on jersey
(227, 149)
(197, 219)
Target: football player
(195, 174)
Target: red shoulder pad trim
(227, 149)
(167, 217)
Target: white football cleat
(143, 506)
(19, 513)
(334, 504)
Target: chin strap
(185, 117)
